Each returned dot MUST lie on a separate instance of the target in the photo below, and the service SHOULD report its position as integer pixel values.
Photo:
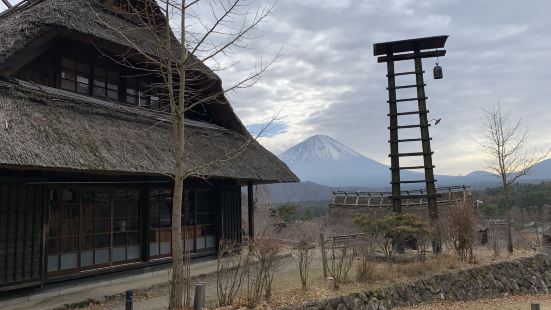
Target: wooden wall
(230, 212)
(21, 224)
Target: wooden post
(250, 205)
(323, 255)
(357, 198)
(394, 159)
(427, 152)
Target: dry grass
(287, 287)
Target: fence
(446, 195)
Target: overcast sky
(328, 82)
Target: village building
(86, 153)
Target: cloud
(267, 129)
(329, 83)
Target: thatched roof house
(81, 138)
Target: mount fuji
(323, 160)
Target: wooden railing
(445, 195)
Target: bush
(462, 230)
(394, 229)
(231, 266)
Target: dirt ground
(287, 288)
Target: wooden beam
(409, 56)
(250, 205)
(8, 4)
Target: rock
(349, 301)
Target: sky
(327, 81)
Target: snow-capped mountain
(319, 148)
(323, 160)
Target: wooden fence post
(323, 255)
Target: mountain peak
(319, 148)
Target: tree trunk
(509, 224)
(177, 288)
(179, 278)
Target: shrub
(231, 266)
(462, 230)
(393, 229)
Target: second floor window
(106, 83)
(74, 76)
(98, 81)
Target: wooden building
(85, 152)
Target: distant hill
(296, 192)
(540, 171)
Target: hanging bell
(437, 72)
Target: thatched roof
(53, 129)
(26, 32)
(32, 24)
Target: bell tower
(416, 50)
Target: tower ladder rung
(408, 113)
(407, 99)
(406, 86)
(410, 154)
(413, 181)
(412, 167)
(409, 140)
(405, 73)
(408, 126)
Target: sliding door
(92, 228)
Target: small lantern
(437, 72)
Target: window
(132, 90)
(198, 221)
(99, 81)
(106, 83)
(139, 93)
(75, 76)
(63, 234)
(90, 228)
(161, 211)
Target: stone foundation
(531, 275)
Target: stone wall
(530, 275)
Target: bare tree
(231, 267)
(302, 250)
(182, 36)
(264, 250)
(340, 260)
(505, 141)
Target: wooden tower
(416, 50)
